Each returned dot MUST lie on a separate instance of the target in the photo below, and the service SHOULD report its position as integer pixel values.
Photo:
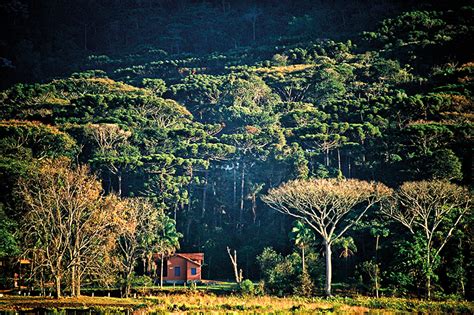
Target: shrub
(260, 288)
(305, 286)
(247, 287)
(279, 60)
(142, 281)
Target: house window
(177, 271)
(193, 271)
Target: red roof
(195, 258)
(192, 256)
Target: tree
(233, 259)
(167, 241)
(377, 229)
(431, 210)
(67, 221)
(8, 242)
(141, 220)
(303, 237)
(157, 86)
(329, 206)
(94, 231)
(113, 150)
(247, 102)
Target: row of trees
(74, 234)
(431, 210)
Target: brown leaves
(323, 203)
(67, 220)
(426, 204)
(108, 136)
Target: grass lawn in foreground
(12, 302)
(200, 301)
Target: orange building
(182, 267)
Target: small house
(181, 267)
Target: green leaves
(301, 234)
(247, 102)
(9, 244)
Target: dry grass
(30, 302)
(234, 302)
(284, 69)
(199, 301)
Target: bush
(247, 287)
(305, 286)
(142, 281)
(279, 60)
(260, 288)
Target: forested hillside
(203, 111)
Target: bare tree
(233, 258)
(433, 209)
(111, 141)
(66, 223)
(325, 205)
(141, 223)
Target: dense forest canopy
(198, 109)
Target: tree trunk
(161, 272)
(235, 185)
(254, 207)
(126, 292)
(339, 161)
(303, 259)
(327, 157)
(149, 258)
(43, 291)
(376, 271)
(204, 194)
(242, 186)
(128, 280)
(128, 289)
(428, 274)
(461, 279)
(57, 280)
(327, 287)
(119, 178)
(349, 167)
(233, 259)
(73, 280)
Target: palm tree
(347, 245)
(348, 248)
(303, 237)
(167, 241)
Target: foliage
(68, 225)
(244, 99)
(305, 286)
(325, 205)
(431, 211)
(282, 275)
(9, 245)
(247, 287)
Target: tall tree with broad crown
(329, 206)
